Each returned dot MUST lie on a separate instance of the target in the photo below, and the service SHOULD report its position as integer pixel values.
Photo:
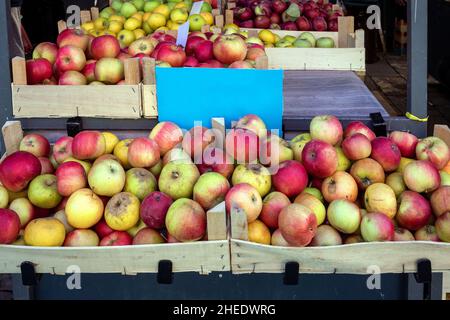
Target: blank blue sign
(186, 95)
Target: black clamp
(29, 276)
(165, 274)
(379, 124)
(291, 270)
(424, 275)
(74, 126)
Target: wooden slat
(443, 132)
(390, 257)
(346, 26)
(19, 70)
(70, 101)
(217, 223)
(239, 226)
(215, 12)
(85, 16)
(62, 25)
(149, 101)
(205, 28)
(12, 135)
(231, 5)
(446, 286)
(228, 16)
(316, 59)
(94, 13)
(132, 71)
(148, 71)
(359, 41)
(252, 33)
(262, 63)
(219, 21)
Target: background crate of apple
(202, 256)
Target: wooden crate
(53, 101)
(202, 256)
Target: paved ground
(387, 79)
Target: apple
(396, 182)
(167, 135)
(70, 58)
(106, 46)
(62, 217)
(154, 208)
(156, 169)
(107, 178)
(102, 229)
(343, 162)
(258, 233)
(70, 178)
(176, 154)
(9, 226)
(359, 127)
(434, 150)
(443, 227)
(377, 227)
(353, 239)
(406, 143)
(186, 220)
(191, 62)
(43, 192)
(319, 158)
(274, 150)
(326, 236)
(105, 157)
(440, 201)
(427, 233)
(291, 178)
(18, 169)
(46, 50)
(73, 37)
(445, 178)
(210, 190)
(192, 42)
(24, 209)
(196, 140)
(297, 224)
(216, 160)
(380, 198)
(4, 197)
(148, 236)
(62, 149)
(314, 192)
(278, 240)
(229, 48)
(421, 176)
(84, 209)
(36, 144)
(172, 54)
(81, 238)
(254, 53)
(252, 123)
(255, 175)
(401, 234)
(367, 172)
(403, 163)
(246, 198)
(117, 238)
(242, 145)
(38, 70)
(109, 70)
(72, 78)
(121, 152)
(140, 182)
(122, 211)
(143, 153)
(313, 204)
(386, 153)
(203, 51)
(88, 145)
(326, 128)
(177, 179)
(344, 215)
(273, 203)
(414, 211)
(357, 147)
(143, 45)
(89, 71)
(298, 143)
(340, 185)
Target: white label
(182, 36)
(196, 7)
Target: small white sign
(182, 36)
(196, 7)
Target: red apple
(196, 140)
(291, 178)
(203, 51)
(154, 209)
(386, 153)
(24, 209)
(359, 127)
(319, 158)
(18, 169)
(191, 62)
(9, 226)
(70, 178)
(357, 147)
(46, 165)
(327, 129)
(143, 153)
(167, 135)
(440, 201)
(88, 145)
(172, 54)
(262, 22)
(73, 37)
(244, 197)
(254, 53)
(210, 190)
(109, 70)
(401, 234)
(289, 25)
(421, 176)
(406, 143)
(102, 229)
(62, 149)
(278, 240)
(117, 238)
(340, 185)
(230, 48)
(297, 224)
(192, 43)
(303, 24)
(70, 58)
(273, 203)
(89, 70)
(38, 70)
(320, 24)
(434, 150)
(246, 24)
(216, 160)
(253, 123)
(414, 210)
(443, 227)
(377, 227)
(72, 78)
(81, 238)
(186, 220)
(241, 65)
(106, 46)
(242, 145)
(333, 25)
(46, 50)
(326, 236)
(427, 233)
(147, 236)
(35, 144)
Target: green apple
(206, 7)
(445, 178)
(140, 182)
(308, 36)
(107, 12)
(302, 43)
(151, 5)
(116, 5)
(4, 197)
(107, 178)
(325, 42)
(289, 38)
(138, 227)
(43, 192)
(128, 9)
(314, 192)
(283, 44)
(171, 5)
(196, 22)
(139, 4)
(343, 162)
(177, 179)
(147, 28)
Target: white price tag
(182, 36)
(196, 7)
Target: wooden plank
(62, 25)
(149, 101)
(443, 132)
(215, 12)
(316, 59)
(70, 101)
(205, 28)
(239, 226)
(148, 71)
(202, 257)
(359, 41)
(85, 16)
(219, 21)
(346, 25)
(262, 63)
(12, 135)
(231, 5)
(218, 124)
(217, 223)
(95, 13)
(446, 286)
(228, 16)
(19, 70)
(132, 69)
(390, 257)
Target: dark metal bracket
(29, 276)
(165, 272)
(379, 124)
(424, 275)
(74, 126)
(291, 270)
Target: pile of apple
(303, 15)
(304, 40)
(327, 187)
